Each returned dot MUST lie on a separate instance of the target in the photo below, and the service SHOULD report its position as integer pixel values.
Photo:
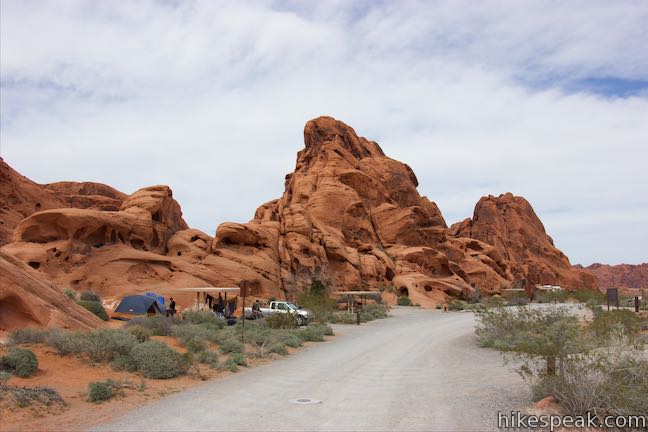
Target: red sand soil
(70, 377)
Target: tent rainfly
(138, 305)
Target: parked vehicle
(303, 316)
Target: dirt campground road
(417, 370)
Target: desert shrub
(28, 335)
(100, 391)
(208, 357)
(192, 336)
(89, 296)
(231, 345)
(104, 345)
(26, 396)
(277, 347)
(457, 305)
(203, 317)
(495, 301)
(515, 298)
(552, 296)
(4, 376)
(66, 343)
(156, 360)
(159, 325)
(70, 293)
(586, 295)
(316, 299)
(609, 381)
(22, 362)
(124, 362)
(281, 321)
(605, 321)
(94, 307)
(313, 333)
(474, 297)
(142, 334)
(404, 301)
(366, 316)
(289, 338)
(378, 311)
(238, 359)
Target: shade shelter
(134, 305)
(202, 292)
(351, 295)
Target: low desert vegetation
(29, 396)
(20, 362)
(101, 391)
(596, 366)
(132, 348)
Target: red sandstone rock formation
(27, 298)
(349, 216)
(625, 276)
(21, 197)
(510, 225)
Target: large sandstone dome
(349, 216)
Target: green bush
(289, 338)
(66, 343)
(457, 305)
(70, 293)
(553, 296)
(90, 296)
(378, 311)
(104, 345)
(278, 347)
(99, 392)
(20, 361)
(209, 358)
(238, 359)
(586, 295)
(404, 301)
(516, 298)
(282, 321)
(94, 307)
(28, 335)
(142, 334)
(156, 360)
(159, 325)
(203, 317)
(605, 321)
(124, 362)
(314, 332)
(316, 299)
(231, 345)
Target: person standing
(172, 307)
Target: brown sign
(613, 297)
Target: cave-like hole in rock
(194, 238)
(156, 216)
(179, 253)
(137, 243)
(37, 206)
(428, 288)
(403, 292)
(34, 264)
(389, 274)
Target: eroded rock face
(21, 197)
(509, 224)
(27, 298)
(349, 216)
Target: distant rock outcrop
(349, 216)
(509, 223)
(623, 276)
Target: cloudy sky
(545, 99)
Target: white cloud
(211, 98)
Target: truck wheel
(301, 321)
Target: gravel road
(417, 370)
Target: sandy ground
(418, 370)
(70, 376)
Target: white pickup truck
(303, 316)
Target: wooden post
(243, 294)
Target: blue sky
(545, 99)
